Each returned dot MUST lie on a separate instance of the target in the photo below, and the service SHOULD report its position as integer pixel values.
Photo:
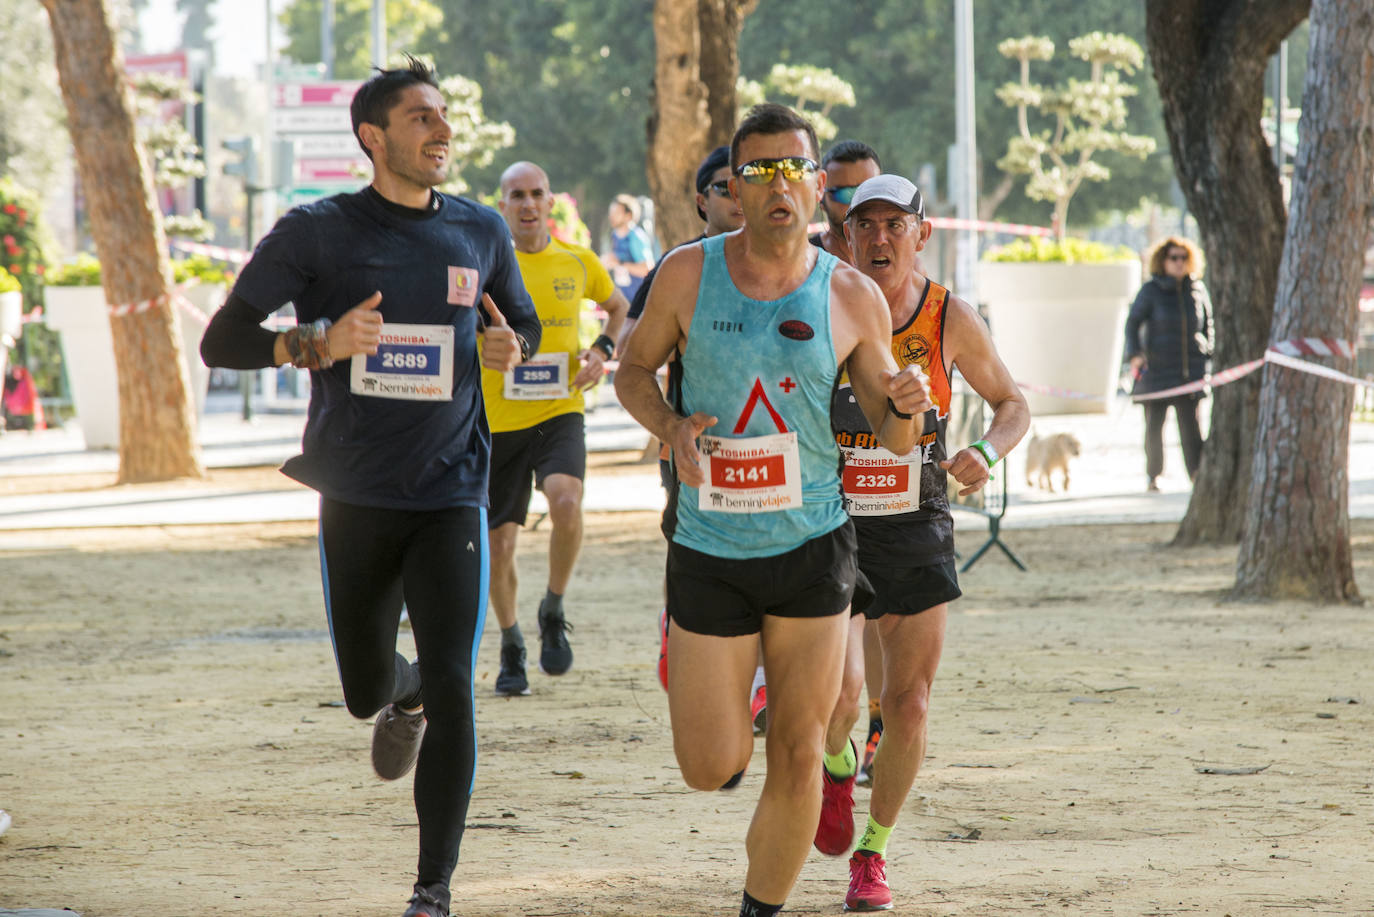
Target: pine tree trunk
(697, 64)
(1296, 541)
(1209, 59)
(156, 418)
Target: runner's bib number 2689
(412, 363)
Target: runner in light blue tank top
(762, 367)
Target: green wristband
(989, 453)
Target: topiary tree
(804, 85)
(1089, 117)
(176, 157)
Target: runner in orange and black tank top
(900, 506)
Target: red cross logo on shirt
(787, 385)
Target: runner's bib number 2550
(540, 379)
(755, 474)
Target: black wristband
(524, 346)
(604, 344)
(896, 413)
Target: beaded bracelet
(308, 345)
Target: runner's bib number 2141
(754, 474)
(412, 363)
(880, 483)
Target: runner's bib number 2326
(880, 483)
(755, 474)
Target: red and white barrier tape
(1013, 229)
(1067, 393)
(187, 308)
(1315, 347)
(216, 252)
(1282, 354)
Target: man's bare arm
(969, 347)
(660, 331)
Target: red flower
(10, 208)
(8, 240)
(39, 269)
(14, 269)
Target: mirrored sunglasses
(842, 195)
(721, 188)
(762, 171)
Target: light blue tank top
(762, 363)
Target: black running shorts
(556, 446)
(728, 597)
(910, 590)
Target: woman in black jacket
(1169, 341)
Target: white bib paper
(877, 482)
(542, 378)
(756, 474)
(412, 363)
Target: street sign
(333, 93)
(321, 120)
(314, 171)
(304, 194)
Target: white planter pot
(1060, 326)
(82, 317)
(11, 317)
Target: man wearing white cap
(901, 515)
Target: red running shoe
(758, 710)
(867, 883)
(835, 831)
(663, 649)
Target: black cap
(714, 160)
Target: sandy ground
(171, 742)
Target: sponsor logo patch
(796, 330)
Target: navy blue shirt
(431, 267)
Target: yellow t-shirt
(558, 279)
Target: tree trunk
(696, 67)
(1209, 61)
(1296, 541)
(157, 439)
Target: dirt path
(170, 743)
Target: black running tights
(436, 561)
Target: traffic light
(246, 165)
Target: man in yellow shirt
(535, 414)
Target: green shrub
(201, 268)
(8, 282)
(22, 241)
(1069, 251)
(83, 272)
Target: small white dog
(1048, 453)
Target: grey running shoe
(425, 903)
(396, 740)
(511, 680)
(555, 656)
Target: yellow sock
(875, 838)
(845, 764)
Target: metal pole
(327, 39)
(379, 34)
(966, 203)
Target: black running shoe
(555, 656)
(511, 680)
(425, 903)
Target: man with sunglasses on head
(847, 165)
(900, 509)
(761, 551)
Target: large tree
(1296, 541)
(696, 68)
(156, 416)
(1209, 59)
